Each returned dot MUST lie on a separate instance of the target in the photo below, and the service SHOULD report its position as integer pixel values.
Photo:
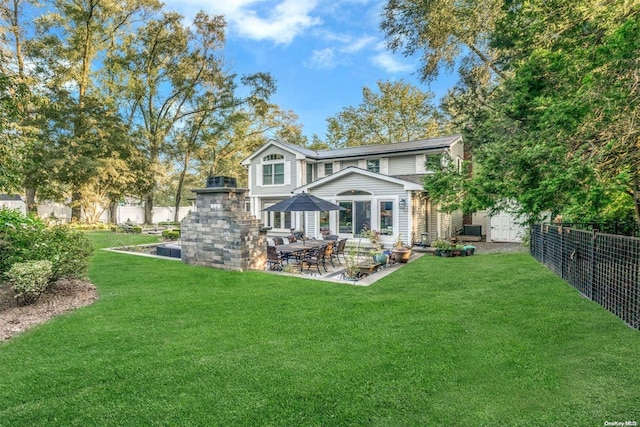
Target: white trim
(256, 154)
(407, 186)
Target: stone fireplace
(220, 232)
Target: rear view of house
(379, 186)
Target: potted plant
(400, 252)
(443, 247)
(376, 252)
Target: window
(278, 220)
(309, 173)
(273, 174)
(386, 218)
(355, 218)
(272, 157)
(282, 220)
(373, 165)
(328, 169)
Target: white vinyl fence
(134, 214)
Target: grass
(482, 340)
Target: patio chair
(316, 257)
(274, 260)
(292, 239)
(331, 237)
(278, 241)
(339, 250)
(330, 248)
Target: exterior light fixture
(403, 203)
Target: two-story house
(380, 187)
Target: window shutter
(258, 175)
(287, 172)
(420, 160)
(362, 164)
(384, 166)
(336, 167)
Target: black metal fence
(624, 228)
(603, 267)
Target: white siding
(402, 165)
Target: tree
(443, 31)
(556, 133)
(172, 79)
(73, 37)
(400, 112)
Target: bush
(27, 238)
(136, 229)
(171, 234)
(29, 279)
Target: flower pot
(401, 255)
(446, 253)
(470, 250)
(380, 259)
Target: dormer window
(272, 157)
(373, 165)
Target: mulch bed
(61, 297)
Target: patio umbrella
(304, 202)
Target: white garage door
(506, 228)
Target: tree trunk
(183, 173)
(32, 206)
(148, 210)
(76, 210)
(113, 212)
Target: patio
(370, 272)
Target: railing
(603, 267)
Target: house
(380, 187)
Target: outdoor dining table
(297, 249)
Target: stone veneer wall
(221, 233)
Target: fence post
(542, 243)
(593, 264)
(561, 252)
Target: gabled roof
(299, 152)
(407, 185)
(12, 197)
(398, 147)
(362, 150)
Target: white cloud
(322, 58)
(390, 64)
(279, 21)
(353, 46)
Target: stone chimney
(220, 232)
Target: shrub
(29, 279)
(171, 234)
(27, 238)
(136, 229)
(89, 226)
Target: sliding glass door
(355, 218)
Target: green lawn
(483, 340)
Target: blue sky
(321, 52)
